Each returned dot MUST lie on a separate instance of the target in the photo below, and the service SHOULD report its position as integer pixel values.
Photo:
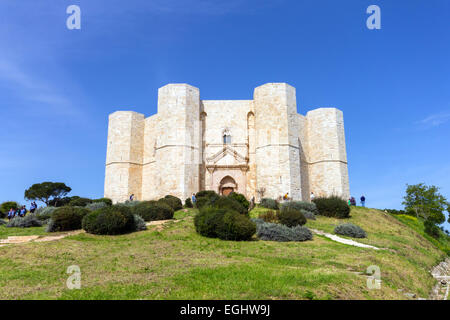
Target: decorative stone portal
(227, 186)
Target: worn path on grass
(25, 239)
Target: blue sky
(57, 86)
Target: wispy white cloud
(31, 87)
(435, 120)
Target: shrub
(332, 207)
(269, 216)
(235, 226)
(25, 222)
(174, 202)
(66, 219)
(153, 210)
(80, 202)
(139, 223)
(432, 229)
(308, 214)
(207, 221)
(257, 221)
(224, 202)
(269, 203)
(44, 213)
(350, 230)
(106, 201)
(202, 202)
(206, 194)
(240, 198)
(96, 205)
(2, 222)
(111, 220)
(394, 211)
(291, 217)
(301, 205)
(131, 204)
(188, 203)
(8, 205)
(205, 197)
(223, 224)
(279, 232)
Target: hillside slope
(177, 263)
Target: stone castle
(244, 146)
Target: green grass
(177, 263)
(6, 232)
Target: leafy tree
(47, 191)
(426, 202)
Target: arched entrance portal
(227, 186)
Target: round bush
(44, 213)
(139, 223)
(291, 217)
(131, 204)
(26, 222)
(279, 232)
(269, 203)
(80, 202)
(350, 230)
(66, 219)
(308, 214)
(106, 201)
(235, 226)
(332, 207)
(188, 203)
(301, 205)
(111, 220)
(224, 224)
(96, 206)
(224, 202)
(206, 194)
(202, 202)
(153, 210)
(207, 221)
(240, 198)
(174, 202)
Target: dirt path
(25, 239)
(343, 240)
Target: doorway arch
(227, 186)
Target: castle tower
(327, 153)
(178, 144)
(123, 175)
(277, 136)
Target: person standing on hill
(312, 196)
(363, 201)
(132, 197)
(194, 199)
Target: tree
(426, 202)
(47, 190)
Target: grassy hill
(177, 263)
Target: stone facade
(225, 146)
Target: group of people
(352, 201)
(22, 211)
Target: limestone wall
(327, 153)
(123, 174)
(178, 140)
(277, 149)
